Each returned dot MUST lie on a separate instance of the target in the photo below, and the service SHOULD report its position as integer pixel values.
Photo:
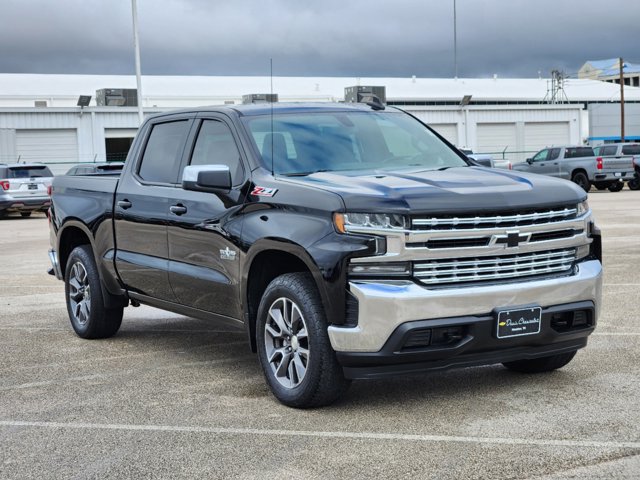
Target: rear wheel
(85, 304)
(634, 184)
(294, 350)
(616, 187)
(541, 365)
(25, 214)
(581, 180)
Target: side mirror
(529, 161)
(206, 178)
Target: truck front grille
(484, 221)
(447, 272)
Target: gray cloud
(333, 38)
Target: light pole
(455, 42)
(136, 46)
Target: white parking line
(324, 434)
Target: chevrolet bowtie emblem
(510, 239)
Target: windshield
(303, 143)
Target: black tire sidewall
(296, 287)
(92, 328)
(582, 181)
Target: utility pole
(455, 42)
(136, 47)
(621, 100)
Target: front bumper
(385, 306)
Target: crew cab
(349, 241)
(581, 165)
(625, 153)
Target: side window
(554, 153)
(216, 146)
(612, 150)
(541, 156)
(630, 150)
(161, 159)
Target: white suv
(24, 188)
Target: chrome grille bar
(437, 223)
(494, 268)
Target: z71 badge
(264, 191)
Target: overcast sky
(355, 38)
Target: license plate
(617, 174)
(515, 323)
(32, 186)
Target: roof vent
(362, 94)
(117, 97)
(260, 98)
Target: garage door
(540, 135)
(447, 130)
(494, 138)
(58, 148)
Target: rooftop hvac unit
(117, 97)
(260, 98)
(358, 93)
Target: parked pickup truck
(625, 152)
(580, 165)
(350, 242)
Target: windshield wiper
(304, 174)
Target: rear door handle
(125, 204)
(178, 209)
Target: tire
(634, 184)
(601, 185)
(582, 181)
(541, 365)
(312, 376)
(25, 214)
(616, 187)
(85, 304)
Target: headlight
(389, 269)
(583, 207)
(346, 222)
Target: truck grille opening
(501, 220)
(434, 337)
(447, 272)
(572, 320)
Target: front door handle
(178, 209)
(125, 204)
(542, 164)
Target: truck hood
(460, 189)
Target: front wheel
(634, 184)
(85, 304)
(541, 365)
(294, 350)
(616, 187)
(582, 181)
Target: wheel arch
(266, 260)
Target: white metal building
(39, 119)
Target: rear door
(142, 208)
(204, 228)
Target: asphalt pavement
(175, 397)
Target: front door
(142, 209)
(204, 228)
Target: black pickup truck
(349, 241)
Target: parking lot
(176, 397)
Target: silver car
(24, 188)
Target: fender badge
(227, 254)
(264, 192)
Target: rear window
(29, 172)
(631, 149)
(576, 152)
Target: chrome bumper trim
(384, 305)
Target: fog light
(582, 251)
